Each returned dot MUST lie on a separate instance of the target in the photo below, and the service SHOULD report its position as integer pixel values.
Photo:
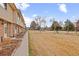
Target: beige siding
(10, 11)
(6, 15)
(11, 15)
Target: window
(5, 27)
(15, 29)
(4, 5)
(17, 20)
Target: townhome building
(11, 20)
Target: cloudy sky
(60, 12)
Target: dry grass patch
(50, 43)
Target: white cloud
(34, 15)
(62, 7)
(22, 6)
(27, 20)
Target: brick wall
(1, 29)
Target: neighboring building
(77, 25)
(11, 20)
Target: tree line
(39, 23)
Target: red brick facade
(10, 24)
(1, 28)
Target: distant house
(77, 25)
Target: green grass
(30, 50)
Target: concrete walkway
(23, 49)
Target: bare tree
(51, 21)
(43, 23)
(40, 22)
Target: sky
(61, 12)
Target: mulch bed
(8, 46)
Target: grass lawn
(48, 43)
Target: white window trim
(2, 5)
